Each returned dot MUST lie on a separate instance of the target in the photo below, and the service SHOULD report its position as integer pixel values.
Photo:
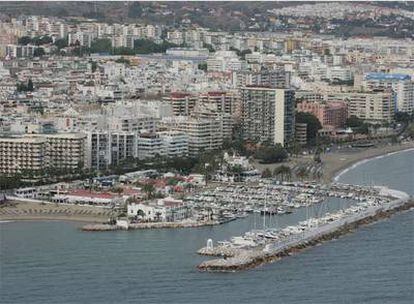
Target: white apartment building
(104, 148)
(223, 102)
(175, 143)
(224, 120)
(401, 84)
(272, 78)
(139, 123)
(375, 106)
(268, 115)
(203, 134)
(339, 73)
(150, 146)
(223, 61)
(19, 51)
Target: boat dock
(235, 259)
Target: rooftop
(381, 76)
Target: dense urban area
(149, 115)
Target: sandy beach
(335, 162)
(36, 211)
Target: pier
(236, 259)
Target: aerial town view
(206, 152)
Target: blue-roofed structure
(386, 76)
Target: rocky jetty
(100, 227)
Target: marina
(266, 245)
(264, 201)
(270, 197)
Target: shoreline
(365, 160)
(338, 163)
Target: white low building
(163, 210)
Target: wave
(336, 178)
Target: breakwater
(235, 259)
(154, 225)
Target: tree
(302, 173)
(80, 51)
(40, 40)
(94, 66)
(313, 125)
(25, 40)
(61, 43)
(103, 45)
(317, 156)
(39, 52)
(244, 53)
(236, 171)
(123, 60)
(410, 131)
(271, 154)
(147, 46)
(209, 47)
(135, 10)
(295, 148)
(357, 125)
(181, 164)
(266, 173)
(402, 117)
(283, 173)
(123, 51)
(202, 66)
(149, 190)
(30, 87)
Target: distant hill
(228, 16)
(225, 15)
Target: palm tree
(266, 173)
(286, 172)
(302, 173)
(149, 190)
(283, 173)
(235, 171)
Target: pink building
(333, 114)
